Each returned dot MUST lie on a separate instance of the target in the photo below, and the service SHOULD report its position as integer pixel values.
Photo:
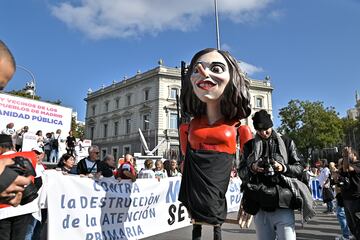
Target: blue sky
(309, 48)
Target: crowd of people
(52, 143)
(215, 97)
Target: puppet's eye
(217, 69)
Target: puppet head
(214, 75)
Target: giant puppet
(215, 96)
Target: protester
(159, 170)
(70, 144)
(127, 169)
(47, 146)
(349, 182)
(270, 169)
(148, 171)
(11, 184)
(35, 227)
(9, 130)
(174, 171)
(340, 211)
(19, 138)
(107, 166)
(66, 164)
(324, 181)
(215, 95)
(12, 227)
(89, 164)
(7, 65)
(40, 139)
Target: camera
(23, 167)
(267, 165)
(344, 182)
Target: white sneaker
(341, 238)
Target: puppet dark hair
(235, 101)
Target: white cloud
(132, 18)
(250, 69)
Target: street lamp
(32, 77)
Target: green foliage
(77, 129)
(311, 125)
(22, 93)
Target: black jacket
(293, 165)
(82, 168)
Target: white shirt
(90, 165)
(324, 175)
(146, 173)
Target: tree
(77, 129)
(311, 125)
(22, 93)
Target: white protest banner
(233, 195)
(81, 208)
(37, 115)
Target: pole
(217, 26)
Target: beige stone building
(354, 113)
(147, 101)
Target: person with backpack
(270, 170)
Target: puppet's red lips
(206, 84)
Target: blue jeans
(280, 224)
(33, 230)
(54, 156)
(340, 214)
(330, 206)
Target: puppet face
(210, 76)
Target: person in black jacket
(349, 182)
(267, 160)
(89, 164)
(11, 184)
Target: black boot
(217, 232)
(196, 232)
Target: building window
(106, 106)
(115, 154)
(126, 150)
(117, 103)
(146, 94)
(173, 121)
(146, 122)
(128, 126)
(259, 102)
(93, 108)
(128, 97)
(105, 129)
(103, 153)
(92, 130)
(116, 127)
(173, 93)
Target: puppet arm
(245, 135)
(184, 137)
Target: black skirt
(204, 184)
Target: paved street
(321, 227)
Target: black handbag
(328, 195)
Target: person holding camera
(15, 227)
(269, 162)
(349, 182)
